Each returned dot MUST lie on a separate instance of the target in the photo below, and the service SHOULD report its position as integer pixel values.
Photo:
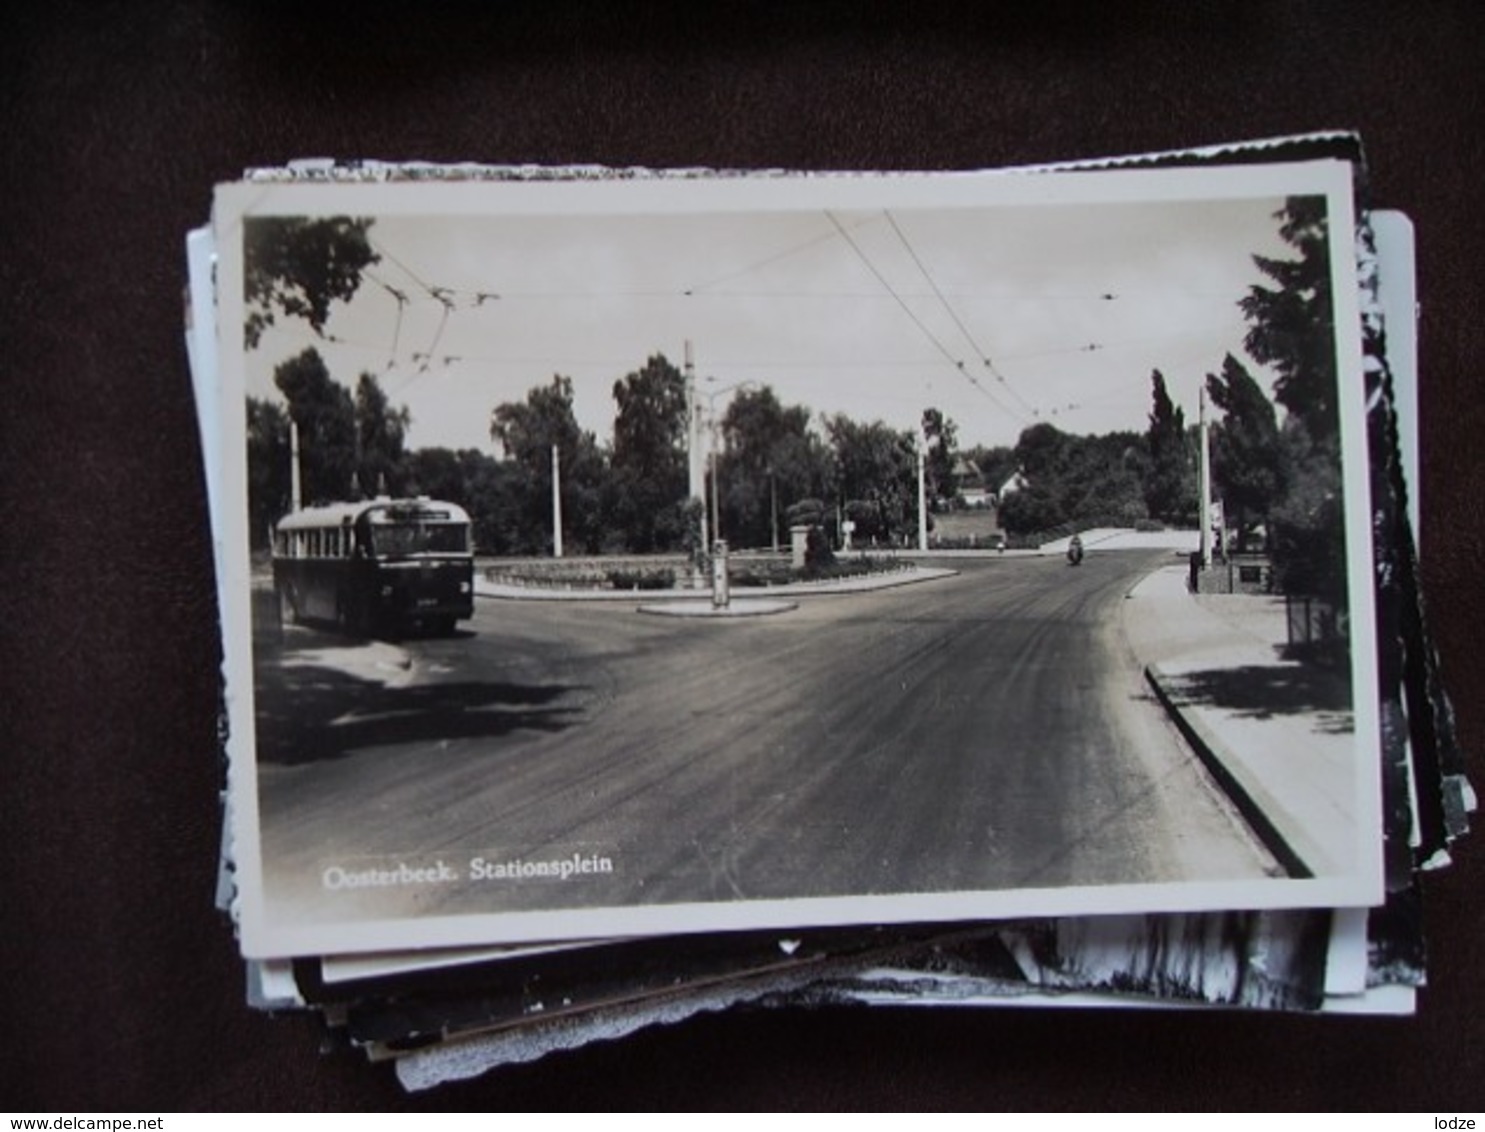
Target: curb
(868, 583)
(704, 610)
(1257, 806)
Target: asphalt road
(988, 731)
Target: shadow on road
(1263, 692)
(317, 712)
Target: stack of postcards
(650, 592)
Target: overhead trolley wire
(949, 309)
(774, 257)
(443, 295)
(957, 363)
(409, 272)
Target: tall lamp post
(695, 457)
(711, 412)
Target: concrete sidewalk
(1278, 735)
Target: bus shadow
(323, 713)
(316, 633)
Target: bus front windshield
(395, 540)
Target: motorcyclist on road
(1075, 550)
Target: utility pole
(695, 445)
(556, 502)
(922, 447)
(1204, 481)
(716, 502)
(296, 499)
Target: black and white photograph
(627, 554)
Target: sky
(1002, 316)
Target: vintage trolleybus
(381, 565)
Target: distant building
(1015, 482)
(969, 484)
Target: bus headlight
(463, 587)
(386, 591)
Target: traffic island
(738, 607)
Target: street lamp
(711, 410)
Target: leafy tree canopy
(1040, 449)
(527, 431)
(1077, 480)
(1291, 323)
(381, 433)
(650, 426)
(772, 458)
(941, 437)
(326, 418)
(1170, 485)
(1307, 538)
(876, 465)
(1246, 457)
(297, 266)
(649, 457)
(267, 468)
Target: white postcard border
(262, 939)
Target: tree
(1077, 480)
(1040, 450)
(772, 458)
(326, 418)
(297, 266)
(492, 496)
(527, 431)
(489, 489)
(1246, 457)
(1034, 507)
(1291, 330)
(1170, 485)
(1307, 536)
(940, 437)
(876, 475)
(1292, 323)
(1103, 479)
(380, 434)
(267, 468)
(649, 456)
(437, 473)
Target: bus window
(416, 538)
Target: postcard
(636, 555)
